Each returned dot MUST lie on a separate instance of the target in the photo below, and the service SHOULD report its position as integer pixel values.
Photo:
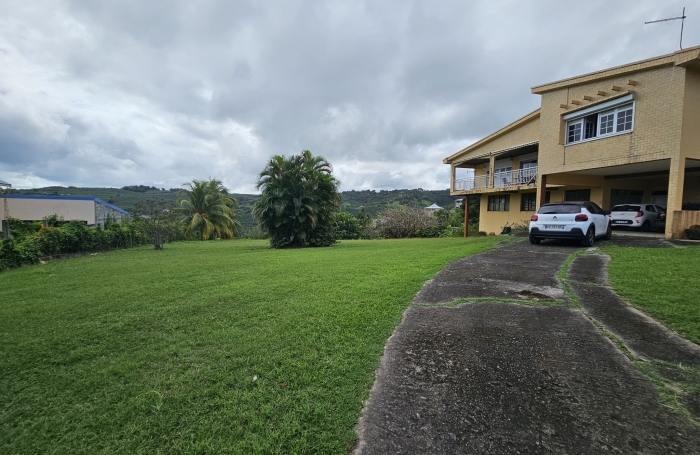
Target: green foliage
(208, 210)
(299, 198)
(20, 229)
(158, 221)
(377, 202)
(346, 227)
(133, 352)
(28, 244)
(364, 218)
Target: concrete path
(501, 375)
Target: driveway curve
(492, 358)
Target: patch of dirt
(535, 296)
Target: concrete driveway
(517, 368)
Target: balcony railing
(471, 183)
(517, 177)
(500, 179)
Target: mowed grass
(143, 351)
(662, 282)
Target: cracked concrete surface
(642, 335)
(502, 378)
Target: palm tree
(298, 200)
(207, 209)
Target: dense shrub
(31, 241)
(298, 201)
(403, 222)
(346, 227)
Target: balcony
(518, 177)
(472, 183)
(500, 180)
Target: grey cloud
(169, 91)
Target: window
(577, 195)
(606, 119)
(574, 131)
(624, 119)
(528, 202)
(499, 203)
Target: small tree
(346, 227)
(299, 198)
(405, 222)
(157, 220)
(207, 210)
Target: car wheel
(589, 238)
(646, 226)
(608, 232)
(534, 240)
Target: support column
(676, 180)
(492, 168)
(454, 176)
(541, 190)
(465, 204)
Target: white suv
(584, 221)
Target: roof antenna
(681, 17)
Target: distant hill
(375, 202)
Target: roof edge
(678, 58)
(63, 198)
(510, 127)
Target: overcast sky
(114, 93)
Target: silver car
(642, 217)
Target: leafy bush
(29, 243)
(346, 227)
(299, 198)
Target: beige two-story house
(629, 134)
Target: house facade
(629, 134)
(28, 207)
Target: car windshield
(626, 208)
(557, 209)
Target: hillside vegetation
(375, 202)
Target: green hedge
(30, 241)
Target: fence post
(6, 230)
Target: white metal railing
(480, 181)
(516, 177)
(500, 179)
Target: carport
(648, 182)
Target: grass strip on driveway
(662, 282)
(204, 347)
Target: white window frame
(613, 107)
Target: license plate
(621, 222)
(554, 226)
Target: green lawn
(143, 351)
(662, 282)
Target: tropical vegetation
(32, 240)
(207, 210)
(298, 201)
(203, 347)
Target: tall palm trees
(298, 200)
(207, 210)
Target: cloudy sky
(114, 93)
